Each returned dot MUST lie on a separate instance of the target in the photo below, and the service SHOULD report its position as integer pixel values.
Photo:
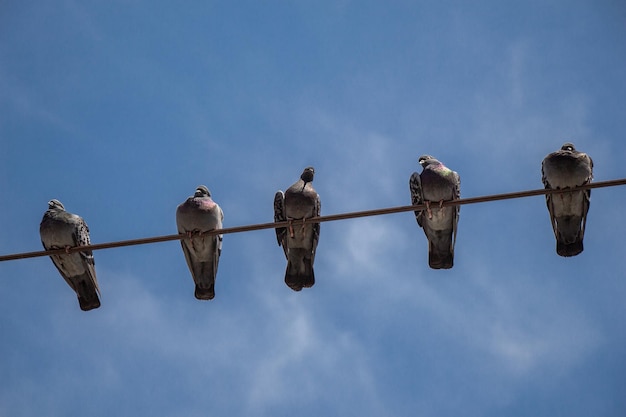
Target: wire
(320, 219)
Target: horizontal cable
(320, 219)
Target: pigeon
(567, 168)
(60, 229)
(299, 239)
(194, 217)
(437, 184)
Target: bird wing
(57, 261)
(185, 243)
(415, 186)
(457, 209)
(549, 197)
(220, 237)
(587, 193)
(280, 216)
(316, 227)
(81, 238)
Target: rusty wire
(320, 219)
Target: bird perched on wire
(194, 217)
(299, 240)
(437, 184)
(60, 229)
(563, 169)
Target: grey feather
(60, 229)
(563, 169)
(436, 184)
(280, 216)
(195, 216)
(299, 241)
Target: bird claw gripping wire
(291, 233)
(429, 211)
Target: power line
(328, 218)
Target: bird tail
(440, 260)
(570, 232)
(299, 275)
(87, 294)
(204, 274)
(569, 249)
(441, 251)
(204, 293)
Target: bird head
(425, 160)
(202, 191)
(55, 204)
(307, 174)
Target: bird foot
(428, 210)
(67, 249)
(303, 221)
(291, 233)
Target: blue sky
(120, 109)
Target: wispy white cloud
(308, 361)
(515, 323)
(380, 333)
